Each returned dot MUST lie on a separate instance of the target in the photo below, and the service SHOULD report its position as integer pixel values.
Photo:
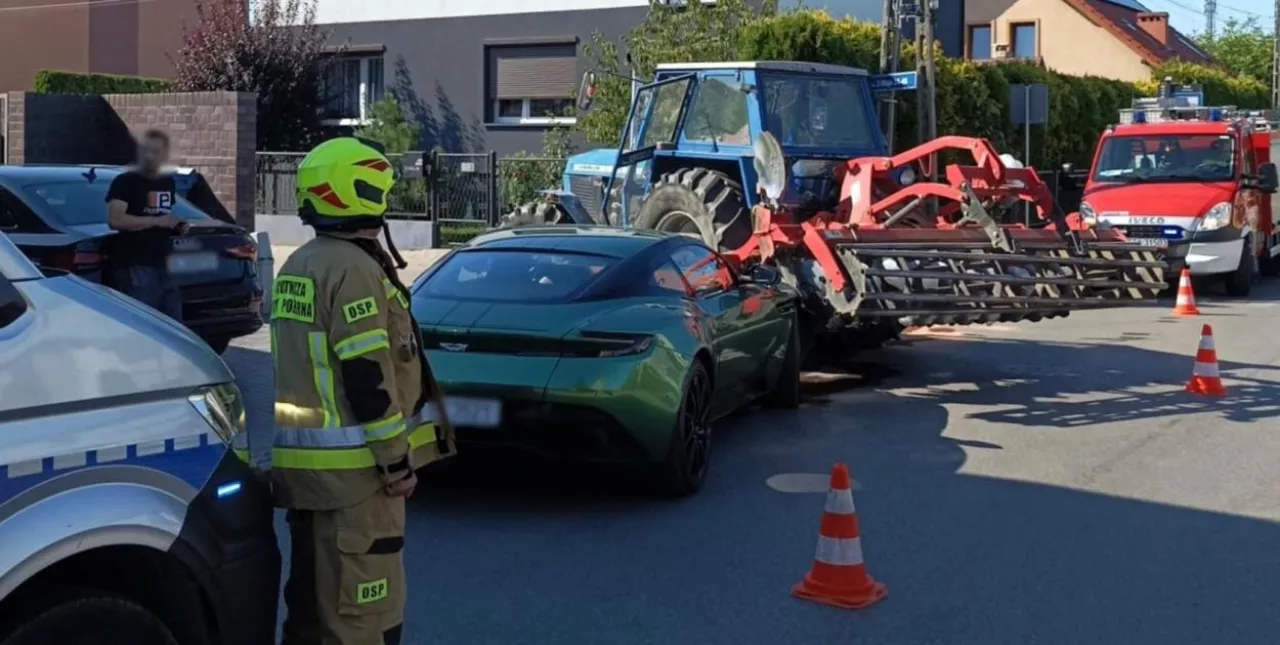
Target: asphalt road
(1041, 483)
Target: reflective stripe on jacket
(336, 316)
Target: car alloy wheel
(695, 425)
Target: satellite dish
(771, 168)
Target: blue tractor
(783, 164)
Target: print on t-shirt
(158, 203)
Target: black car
(57, 215)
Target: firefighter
(357, 409)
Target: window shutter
(533, 72)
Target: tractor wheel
(701, 203)
(536, 213)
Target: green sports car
(605, 345)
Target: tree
(389, 126)
(398, 134)
(684, 32)
(1243, 47)
(277, 52)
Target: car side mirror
(1267, 180)
(763, 275)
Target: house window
(979, 42)
(352, 84)
(532, 84)
(1024, 40)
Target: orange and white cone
(1185, 305)
(839, 576)
(1205, 378)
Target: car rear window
(76, 203)
(515, 275)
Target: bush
(50, 81)
(1220, 87)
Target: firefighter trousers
(346, 581)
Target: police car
(124, 517)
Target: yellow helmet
(343, 183)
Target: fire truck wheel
(1240, 281)
(701, 203)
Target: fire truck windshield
(818, 111)
(1167, 158)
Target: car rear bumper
(234, 326)
(560, 431)
(224, 313)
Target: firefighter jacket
(355, 397)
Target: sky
(1187, 16)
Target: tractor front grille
(589, 193)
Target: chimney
(1156, 25)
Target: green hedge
(58, 82)
(973, 99)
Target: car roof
(800, 67)
(601, 240)
(1173, 128)
(46, 173)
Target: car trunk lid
(499, 348)
(210, 254)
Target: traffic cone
(839, 577)
(1204, 375)
(1185, 305)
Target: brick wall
(214, 132)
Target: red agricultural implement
(939, 252)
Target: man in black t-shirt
(140, 207)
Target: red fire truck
(1196, 180)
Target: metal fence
(460, 188)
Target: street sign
(1029, 104)
(1188, 97)
(901, 81)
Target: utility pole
(890, 46)
(1210, 17)
(922, 84)
(931, 81)
(1275, 62)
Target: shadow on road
(1064, 385)
(524, 553)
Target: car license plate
(1154, 242)
(473, 413)
(192, 262)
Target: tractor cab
(709, 116)
(822, 115)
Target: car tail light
(612, 345)
(72, 260)
(246, 251)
